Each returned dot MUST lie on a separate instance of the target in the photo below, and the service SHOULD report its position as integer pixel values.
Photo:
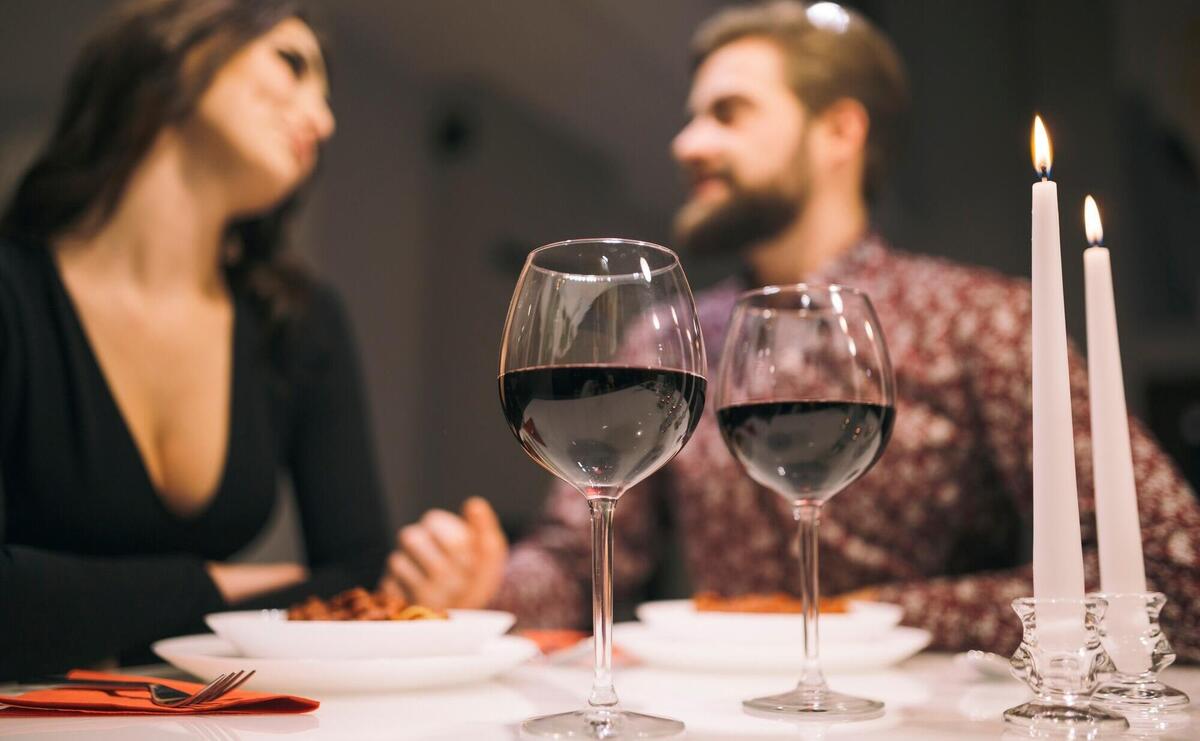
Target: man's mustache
(695, 175)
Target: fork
(169, 697)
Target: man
(794, 113)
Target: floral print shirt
(941, 525)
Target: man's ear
(841, 132)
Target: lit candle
(1057, 546)
(1121, 568)
(1118, 529)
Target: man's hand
(445, 560)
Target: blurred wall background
(470, 131)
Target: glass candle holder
(1134, 641)
(1060, 657)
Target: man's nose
(693, 143)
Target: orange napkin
(58, 702)
(553, 640)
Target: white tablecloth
(929, 697)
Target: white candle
(1119, 532)
(1057, 546)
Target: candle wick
(1045, 174)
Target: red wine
(602, 428)
(806, 449)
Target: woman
(160, 360)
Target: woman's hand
(239, 581)
(445, 560)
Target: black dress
(92, 564)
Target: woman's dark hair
(144, 69)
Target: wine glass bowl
(806, 395)
(805, 402)
(602, 428)
(602, 381)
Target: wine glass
(602, 380)
(805, 401)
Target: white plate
(655, 647)
(269, 634)
(863, 622)
(207, 655)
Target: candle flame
(1043, 153)
(1091, 222)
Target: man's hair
(830, 53)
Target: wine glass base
(818, 704)
(1045, 718)
(600, 724)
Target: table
(929, 697)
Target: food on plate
(772, 602)
(359, 604)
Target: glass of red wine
(805, 401)
(602, 380)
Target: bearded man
(795, 112)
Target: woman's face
(264, 115)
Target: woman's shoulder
(22, 279)
(321, 318)
(315, 330)
(23, 312)
(19, 263)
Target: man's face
(742, 151)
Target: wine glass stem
(808, 515)
(603, 695)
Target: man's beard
(747, 218)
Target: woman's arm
(58, 610)
(331, 459)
